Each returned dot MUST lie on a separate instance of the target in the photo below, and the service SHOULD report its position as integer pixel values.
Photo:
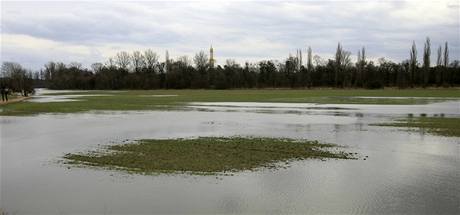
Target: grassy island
(205, 155)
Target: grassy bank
(206, 155)
(149, 99)
(435, 125)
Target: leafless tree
(309, 59)
(16, 74)
(50, 68)
(97, 67)
(231, 63)
(122, 60)
(201, 60)
(75, 65)
(151, 58)
(342, 60)
(439, 59)
(184, 60)
(319, 61)
(446, 55)
(426, 61)
(137, 61)
(413, 62)
(110, 63)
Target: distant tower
(211, 57)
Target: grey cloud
(187, 27)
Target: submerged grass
(435, 125)
(205, 155)
(149, 100)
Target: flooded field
(405, 172)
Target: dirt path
(18, 99)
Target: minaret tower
(211, 57)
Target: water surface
(405, 172)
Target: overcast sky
(34, 33)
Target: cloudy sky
(33, 33)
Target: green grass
(435, 125)
(136, 99)
(205, 155)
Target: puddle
(406, 172)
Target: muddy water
(405, 172)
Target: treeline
(143, 70)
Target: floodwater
(45, 95)
(405, 172)
(61, 98)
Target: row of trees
(143, 70)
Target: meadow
(174, 99)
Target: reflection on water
(449, 108)
(404, 173)
(61, 98)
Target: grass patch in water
(206, 155)
(435, 125)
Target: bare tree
(426, 61)
(184, 60)
(16, 74)
(97, 67)
(445, 72)
(50, 68)
(359, 57)
(166, 67)
(342, 57)
(439, 59)
(201, 60)
(137, 61)
(122, 60)
(309, 59)
(10, 69)
(319, 61)
(231, 63)
(75, 65)
(342, 60)
(413, 62)
(299, 59)
(338, 63)
(446, 55)
(360, 65)
(151, 58)
(110, 63)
